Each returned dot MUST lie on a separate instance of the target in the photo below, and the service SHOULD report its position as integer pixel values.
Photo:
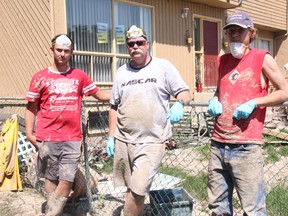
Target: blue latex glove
(110, 146)
(244, 110)
(215, 107)
(176, 112)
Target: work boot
(55, 205)
(46, 195)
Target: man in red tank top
(239, 107)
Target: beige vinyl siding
(24, 47)
(170, 29)
(270, 13)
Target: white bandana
(63, 40)
(135, 32)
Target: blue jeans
(239, 166)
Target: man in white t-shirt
(140, 118)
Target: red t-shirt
(239, 82)
(60, 102)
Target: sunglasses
(139, 43)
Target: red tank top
(239, 82)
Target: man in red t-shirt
(55, 97)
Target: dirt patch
(25, 203)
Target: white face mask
(237, 49)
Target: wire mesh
(184, 166)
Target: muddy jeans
(239, 166)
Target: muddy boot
(55, 205)
(47, 195)
(43, 208)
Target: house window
(99, 36)
(197, 34)
(261, 43)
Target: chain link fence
(180, 187)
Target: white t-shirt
(142, 96)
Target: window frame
(113, 55)
(256, 44)
(199, 54)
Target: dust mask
(237, 49)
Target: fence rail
(184, 165)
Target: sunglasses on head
(139, 43)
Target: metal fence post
(86, 159)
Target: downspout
(240, 3)
(277, 38)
